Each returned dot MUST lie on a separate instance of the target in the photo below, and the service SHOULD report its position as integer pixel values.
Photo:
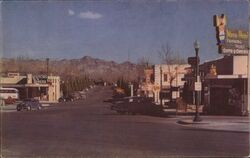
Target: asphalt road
(89, 129)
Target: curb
(190, 122)
(185, 124)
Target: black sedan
(136, 105)
(29, 104)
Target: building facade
(163, 82)
(169, 80)
(224, 86)
(41, 87)
(147, 86)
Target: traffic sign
(197, 86)
(193, 60)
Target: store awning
(226, 76)
(24, 85)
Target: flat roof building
(42, 87)
(224, 85)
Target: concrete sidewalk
(8, 108)
(218, 123)
(12, 107)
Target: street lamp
(197, 88)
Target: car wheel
(29, 108)
(18, 108)
(61, 100)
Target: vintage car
(29, 104)
(135, 105)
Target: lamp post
(197, 117)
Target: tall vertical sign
(234, 42)
(220, 24)
(230, 41)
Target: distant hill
(92, 67)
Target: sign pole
(197, 117)
(160, 94)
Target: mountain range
(86, 66)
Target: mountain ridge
(94, 68)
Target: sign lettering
(234, 42)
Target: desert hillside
(86, 66)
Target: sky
(117, 30)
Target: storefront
(224, 86)
(225, 95)
(41, 87)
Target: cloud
(71, 12)
(90, 15)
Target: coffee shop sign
(236, 34)
(233, 51)
(236, 39)
(230, 41)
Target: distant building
(156, 83)
(42, 87)
(147, 85)
(171, 78)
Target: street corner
(225, 125)
(191, 122)
(8, 108)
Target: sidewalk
(8, 108)
(218, 123)
(12, 107)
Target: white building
(42, 87)
(54, 88)
(156, 81)
(165, 77)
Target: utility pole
(248, 71)
(176, 76)
(160, 94)
(131, 90)
(47, 64)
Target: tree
(170, 58)
(144, 62)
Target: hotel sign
(40, 79)
(230, 41)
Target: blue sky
(115, 30)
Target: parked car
(76, 95)
(136, 105)
(67, 98)
(83, 94)
(61, 99)
(29, 104)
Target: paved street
(90, 129)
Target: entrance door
(219, 100)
